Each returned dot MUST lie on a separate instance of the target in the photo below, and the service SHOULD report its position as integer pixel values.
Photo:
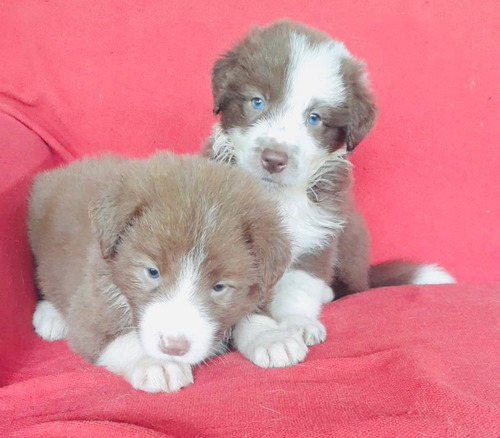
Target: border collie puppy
(145, 266)
(292, 103)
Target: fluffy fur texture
(146, 266)
(292, 103)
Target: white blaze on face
(315, 73)
(314, 77)
(179, 315)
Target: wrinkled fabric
(404, 361)
(82, 78)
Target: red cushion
(82, 77)
(23, 154)
(397, 362)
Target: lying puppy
(292, 103)
(145, 266)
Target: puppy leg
(263, 342)
(353, 259)
(297, 301)
(48, 322)
(124, 356)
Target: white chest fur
(309, 225)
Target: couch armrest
(22, 153)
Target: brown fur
(247, 68)
(259, 62)
(93, 223)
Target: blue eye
(257, 103)
(153, 273)
(219, 287)
(313, 119)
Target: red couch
(81, 77)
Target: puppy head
(289, 99)
(193, 246)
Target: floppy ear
(112, 213)
(271, 248)
(221, 77)
(362, 109)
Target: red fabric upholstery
(82, 77)
(398, 362)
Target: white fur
(314, 77)
(178, 314)
(125, 356)
(261, 340)
(309, 226)
(48, 322)
(315, 73)
(432, 274)
(222, 145)
(248, 145)
(298, 297)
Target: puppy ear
(221, 75)
(362, 109)
(219, 83)
(271, 247)
(112, 213)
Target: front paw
(327, 294)
(312, 331)
(151, 375)
(48, 322)
(277, 348)
(125, 356)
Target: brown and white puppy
(145, 266)
(292, 103)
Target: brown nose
(274, 161)
(174, 346)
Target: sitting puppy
(292, 103)
(145, 266)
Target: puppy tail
(396, 273)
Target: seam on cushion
(64, 152)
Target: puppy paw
(48, 322)
(327, 294)
(151, 375)
(312, 331)
(125, 356)
(277, 348)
